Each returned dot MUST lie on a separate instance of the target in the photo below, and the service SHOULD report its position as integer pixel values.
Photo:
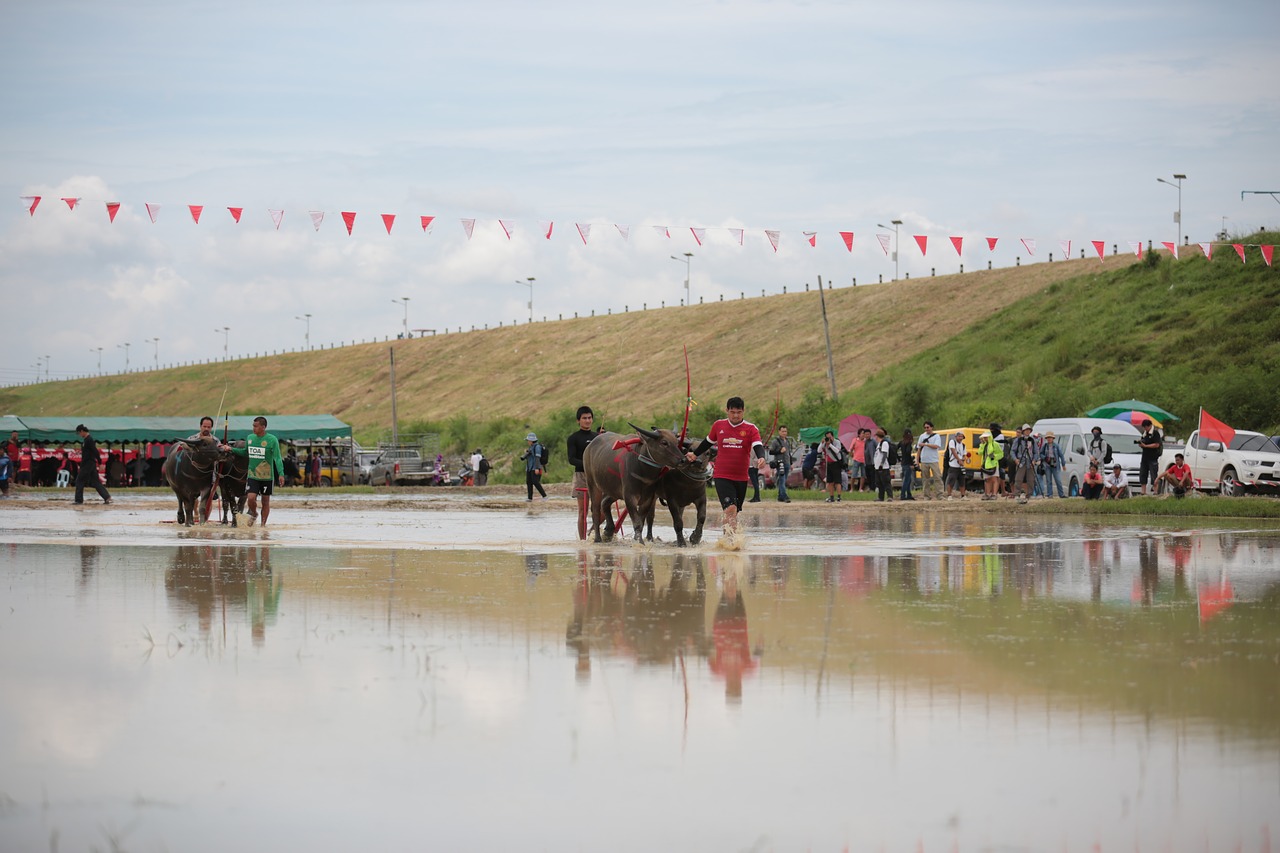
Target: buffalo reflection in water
(216, 581)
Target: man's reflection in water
(88, 564)
(1148, 569)
(214, 582)
(732, 658)
(595, 608)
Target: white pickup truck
(1250, 464)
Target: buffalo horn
(647, 433)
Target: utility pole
(395, 430)
(826, 331)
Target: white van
(1073, 435)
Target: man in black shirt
(576, 447)
(1152, 444)
(88, 473)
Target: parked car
(365, 460)
(399, 467)
(1250, 464)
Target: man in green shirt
(266, 468)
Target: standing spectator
(576, 448)
(1093, 483)
(266, 468)
(1115, 485)
(859, 469)
(956, 453)
(833, 455)
(906, 458)
(930, 450)
(1098, 451)
(809, 465)
(480, 466)
(753, 478)
(736, 440)
(883, 474)
(1179, 476)
(88, 473)
(1023, 450)
(532, 457)
(317, 460)
(780, 449)
(6, 469)
(1053, 459)
(871, 480)
(990, 453)
(13, 449)
(290, 465)
(1152, 444)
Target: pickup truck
(399, 467)
(1250, 464)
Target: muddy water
(466, 677)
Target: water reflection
(218, 582)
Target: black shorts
(731, 492)
(261, 487)
(834, 472)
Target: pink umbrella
(1136, 418)
(849, 427)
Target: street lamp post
(688, 296)
(404, 300)
(125, 347)
(98, 350)
(1177, 217)
(307, 319)
(529, 284)
(225, 331)
(46, 368)
(896, 223)
(156, 343)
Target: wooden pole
(826, 331)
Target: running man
(577, 446)
(266, 468)
(736, 440)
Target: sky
(1013, 120)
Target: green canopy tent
(8, 424)
(813, 435)
(291, 428)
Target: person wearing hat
(1053, 459)
(1114, 484)
(990, 453)
(1098, 450)
(532, 457)
(1023, 451)
(1152, 444)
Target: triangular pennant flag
(1214, 429)
(923, 242)
(235, 212)
(1100, 246)
(35, 202)
(884, 243)
(153, 210)
(958, 242)
(773, 238)
(1267, 252)
(698, 234)
(113, 207)
(506, 227)
(196, 210)
(388, 219)
(737, 234)
(277, 216)
(349, 219)
(1137, 247)
(584, 231)
(426, 221)
(1239, 247)
(71, 203)
(468, 225)
(847, 236)
(317, 217)
(624, 230)
(547, 228)
(811, 236)
(1030, 243)
(663, 230)
(1066, 249)
(1172, 247)
(991, 243)
(1207, 248)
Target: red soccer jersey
(734, 444)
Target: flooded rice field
(465, 675)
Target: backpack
(1106, 459)
(893, 454)
(543, 454)
(484, 465)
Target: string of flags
(583, 229)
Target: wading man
(266, 469)
(577, 446)
(736, 440)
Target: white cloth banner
(1207, 248)
(1030, 243)
(584, 231)
(1137, 247)
(884, 243)
(698, 234)
(506, 227)
(737, 234)
(317, 217)
(624, 230)
(663, 230)
(468, 225)
(1066, 249)
(277, 216)
(773, 238)
(153, 210)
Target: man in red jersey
(736, 440)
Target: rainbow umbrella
(1112, 409)
(1136, 418)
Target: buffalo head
(661, 445)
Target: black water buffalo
(233, 483)
(631, 469)
(189, 470)
(684, 485)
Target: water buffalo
(233, 483)
(684, 485)
(189, 471)
(630, 469)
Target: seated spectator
(1178, 475)
(1115, 485)
(1093, 484)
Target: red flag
(958, 242)
(812, 237)
(1172, 247)
(349, 217)
(923, 242)
(1207, 248)
(1215, 430)
(1214, 598)
(1267, 252)
(426, 222)
(1100, 246)
(235, 212)
(847, 236)
(547, 227)
(196, 210)
(388, 219)
(991, 243)
(1137, 248)
(71, 203)
(113, 207)
(1239, 247)
(35, 202)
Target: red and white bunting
(277, 216)
(196, 210)
(737, 234)
(811, 236)
(1207, 248)
(1100, 247)
(468, 225)
(991, 243)
(1172, 247)
(506, 227)
(71, 203)
(153, 210)
(317, 218)
(34, 202)
(922, 241)
(584, 231)
(884, 243)
(235, 212)
(426, 221)
(1137, 247)
(1267, 252)
(349, 219)
(625, 231)
(1239, 247)
(773, 238)
(958, 242)
(113, 207)
(1030, 244)
(388, 219)
(847, 236)
(663, 230)
(698, 234)
(1065, 245)
(546, 227)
